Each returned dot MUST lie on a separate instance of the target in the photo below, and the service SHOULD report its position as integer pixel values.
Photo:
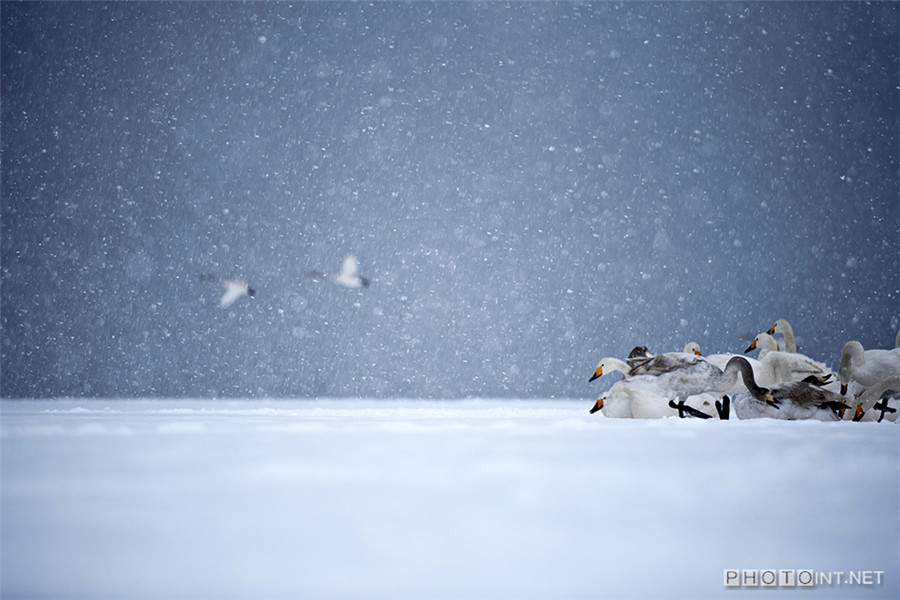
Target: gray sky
(529, 187)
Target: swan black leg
(724, 408)
(882, 405)
(683, 408)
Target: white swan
(776, 366)
(234, 289)
(678, 376)
(639, 356)
(867, 367)
(348, 276)
(784, 328)
(790, 401)
(872, 398)
(626, 400)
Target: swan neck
(790, 344)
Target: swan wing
(233, 291)
(349, 268)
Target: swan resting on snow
(776, 366)
(624, 400)
(790, 401)
(866, 367)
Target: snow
(487, 498)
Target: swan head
(692, 348)
(638, 355)
(764, 342)
(781, 325)
(610, 364)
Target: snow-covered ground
(432, 499)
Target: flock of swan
(779, 384)
(235, 289)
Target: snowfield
(433, 499)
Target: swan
(791, 401)
(776, 366)
(639, 355)
(624, 400)
(784, 328)
(349, 275)
(866, 367)
(678, 376)
(872, 398)
(234, 289)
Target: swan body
(784, 328)
(234, 289)
(867, 367)
(776, 366)
(625, 400)
(669, 363)
(790, 401)
(679, 376)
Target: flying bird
(234, 289)
(349, 275)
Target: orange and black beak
(597, 406)
(771, 329)
(597, 373)
(752, 346)
(859, 413)
(843, 389)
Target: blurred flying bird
(234, 289)
(349, 275)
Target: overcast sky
(528, 186)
